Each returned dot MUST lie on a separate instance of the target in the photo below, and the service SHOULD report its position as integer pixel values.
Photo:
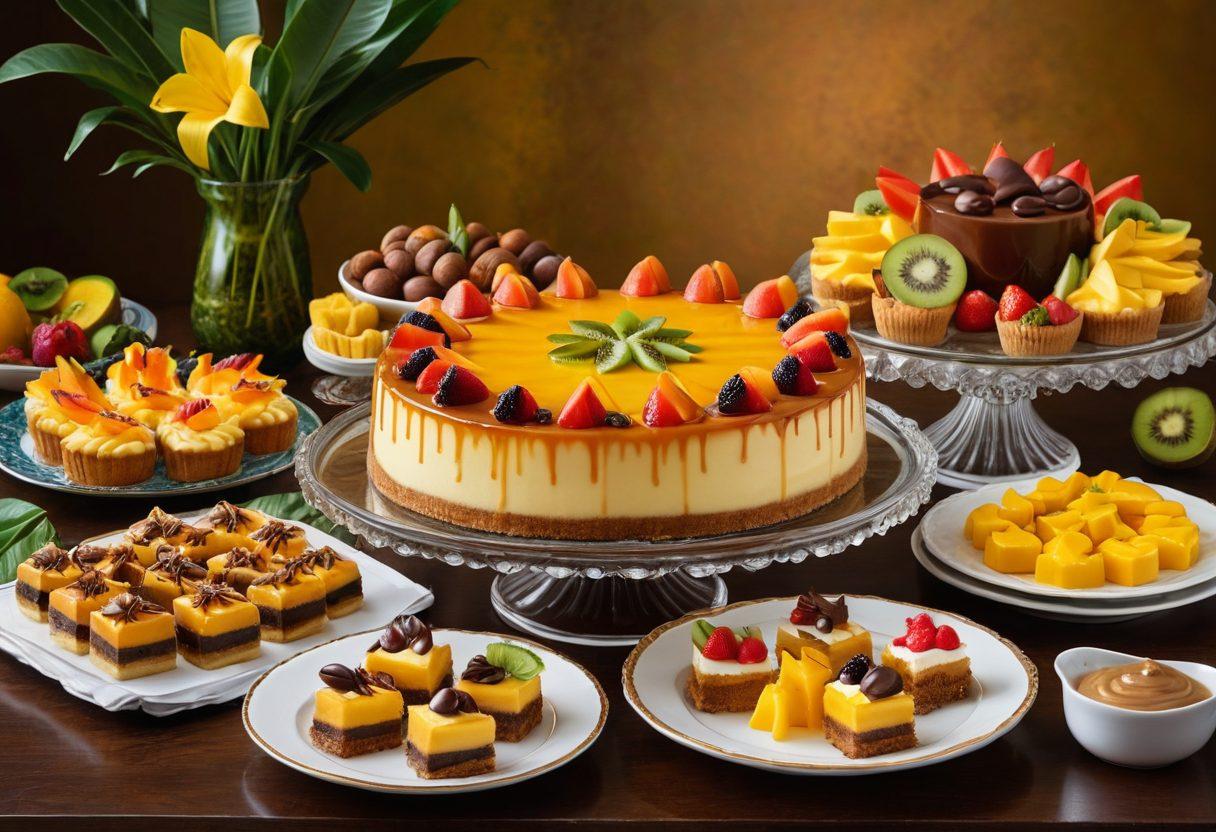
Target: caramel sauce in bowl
(1136, 712)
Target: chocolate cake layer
(417, 696)
(347, 590)
(360, 732)
(285, 619)
(61, 623)
(207, 644)
(434, 762)
(126, 655)
(35, 596)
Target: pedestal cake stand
(614, 592)
(994, 434)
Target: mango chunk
(1048, 526)
(982, 522)
(1130, 562)
(1016, 509)
(1177, 544)
(1101, 522)
(1089, 501)
(1170, 508)
(1012, 550)
(1066, 562)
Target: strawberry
(190, 408)
(901, 194)
(797, 616)
(1015, 302)
(976, 312)
(658, 412)
(515, 406)
(1129, 186)
(1039, 164)
(1058, 311)
(65, 338)
(828, 320)
(815, 352)
(464, 301)
(920, 639)
(919, 622)
(947, 163)
(458, 386)
(721, 646)
(998, 149)
(412, 367)
(900, 641)
(431, 375)
(946, 638)
(1078, 172)
(752, 651)
(793, 378)
(583, 409)
(14, 355)
(409, 337)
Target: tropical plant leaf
(291, 505)
(593, 329)
(24, 529)
(89, 122)
(122, 34)
(220, 20)
(349, 162)
(405, 29)
(87, 65)
(457, 233)
(580, 351)
(145, 159)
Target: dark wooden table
(62, 758)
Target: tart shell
(195, 466)
(1189, 306)
(87, 469)
(46, 444)
(857, 300)
(271, 439)
(1122, 328)
(1020, 339)
(910, 324)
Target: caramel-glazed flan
(474, 422)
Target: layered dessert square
(118, 562)
(170, 576)
(870, 716)
(290, 601)
(357, 712)
(932, 663)
(505, 683)
(216, 627)
(39, 575)
(130, 637)
(69, 608)
(238, 567)
(821, 626)
(407, 652)
(343, 583)
(276, 539)
(232, 524)
(145, 535)
(448, 737)
(729, 668)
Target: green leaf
(89, 122)
(671, 351)
(612, 355)
(581, 351)
(349, 162)
(220, 20)
(405, 29)
(91, 67)
(122, 34)
(145, 158)
(647, 357)
(626, 324)
(593, 329)
(291, 505)
(457, 233)
(24, 529)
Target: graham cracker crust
(461, 768)
(726, 694)
(344, 744)
(870, 743)
(937, 686)
(514, 727)
(613, 528)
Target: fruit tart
(239, 388)
(198, 444)
(843, 261)
(47, 422)
(918, 287)
(1029, 328)
(106, 448)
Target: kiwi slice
(924, 271)
(871, 204)
(1084, 271)
(1069, 279)
(39, 288)
(1128, 208)
(1175, 427)
(700, 632)
(518, 661)
(1168, 226)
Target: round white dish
(1076, 610)
(14, 376)
(1137, 739)
(942, 528)
(278, 712)
(1005, 685)
(336, 364)
(389, 308)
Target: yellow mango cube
(1101, 522)
(982, 522)
(1130, 562)
(1016, 509)
(1177, 545)
(1107, 480)
(1168, 508)
(1048, 526)
(1074, 486)
(1069, 544)
(1066, 563)
(1012, 550)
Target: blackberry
(427, 322)
(732, 395)
(839, 346)
(97, 369)
(508, 404)
(412, 367)
(185, 366)
(616, 420)
(543, 416)
(855, 669)
(785, 376)
(800, 309)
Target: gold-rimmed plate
(1004, 687)
(278, 713)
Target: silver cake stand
(614, 592)
(994, 434)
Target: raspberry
(515, 406)
(899, 641)
(919, 622)
(797, 616)
(721, 645)
(793, 378)
(855, 669)
(921, 639)
(752, 651)
(459, 386)
(947, 639)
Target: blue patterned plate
(17, 460)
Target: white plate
(942, 528)
(278, 713)
(14, 376)
(336, 364)
(386, 594)
(389, 308)
(1077, 610)
(1005, 686)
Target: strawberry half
(770, 298)
(793, 378)
(947, 163)
(976, 312)
(751, 651)
(1058, 311)
(827, 320)
(1128, 186)
(721, 646)
(458, 386)
(815, 352)
(1039, 164)
(998, 149)
(1078, 172)
(516, 406)
(583, 409)
(901, 195)
(465, 302)
(1015, 302)
(409, 337)
(429, 378)
(740, 396)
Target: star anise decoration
(129, 607)
(227, 516)
(51, 558)
(215, 592)
(276, 534)
(323, 557)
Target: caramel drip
(459, 456)
(684, 470)
(502, 475)
(421, 437)
(747, 429)
(604, 484)
(594, 456)
(654, 465)
(519, 455)
(438, 437)
(409, 422)
(495, 449)
(797, 421)
(843, 428)
(381, 403)
(396, 410)
(817, 434)
(551, 454)
(704, 462)
(780, 426)
(829, 427)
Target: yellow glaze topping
(1142, 686)
(352, 710)
(215, 618)
(410, 670)
(272, 410)
(178, 436)
(147, 628)
(848, 706)
(433, 733)
(854, 247)
(510, 696)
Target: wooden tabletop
(62, 758)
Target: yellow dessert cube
(1107, 481)
(435, 734)
(1066, 562)
(1016, 509)
(1089, 501)
(852, 709)
(1012, 550)
(982, 522)
(1048, 526)
(1168, 508)
(1101, 522)
(1130, 562)
(1177, 543)
(1132, 498)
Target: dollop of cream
(1142, 686)
(178, 436)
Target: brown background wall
(692, 130)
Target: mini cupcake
(1027, 328)
(197, 444)
(148, 367)
(918, 287)
(149, 405)
(1116, 315)
(106, 448)
(46, 421)
(1188, 306)
(240, 389)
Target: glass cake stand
(994, 434)
(614, 592)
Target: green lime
(521, 663)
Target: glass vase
(253, 282)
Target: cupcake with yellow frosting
(238, 388)
(1115, 314)
(47, 422)
(1165, 259)
(198, 444)
(106, 448)
(843, 261)
(147, 369)
(150, 406)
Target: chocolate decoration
(1012, 180)
(967, 182)
(178, 567)
(323, 557)
(228, 517)
(482, 672)
(51, 558)
(974, 204)
(90, 554)
(156, 525)
(195, 536)
(240, 557)
(1029, 206)
(129, 607)
(837, 610)
(275, 534)
(1068, 198)
(91, 583)
(1053, 183)
(357, 680)
(881, 682)
(931, 190)
(448, 701)
(824, 624)
(855, 669)
(402, 632)
(214, 592)
(288, 573)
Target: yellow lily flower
(214, 88)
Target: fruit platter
(43, 314)
(1008, 282)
